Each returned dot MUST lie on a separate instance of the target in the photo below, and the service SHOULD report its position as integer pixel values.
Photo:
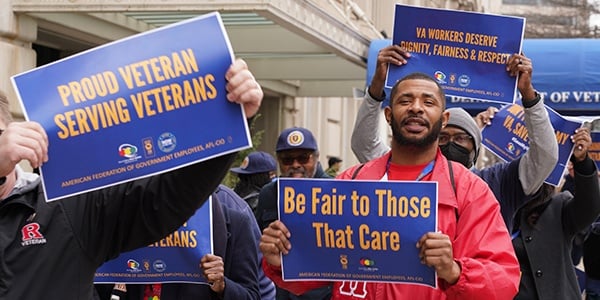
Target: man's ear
(387, 111)
(445, 118)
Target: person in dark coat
(233, 269)
(256, 170)
(298, 157)
(544, 228)
(591, 262)
(51, 250)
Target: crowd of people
(502, 232)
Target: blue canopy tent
(566, 72)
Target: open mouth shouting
(415, 124)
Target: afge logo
(159, 266)
(167, 142)
(464, 80)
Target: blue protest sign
(175, 258)
(508, 138)
(357, 230)
(465, 52)
(136, 107)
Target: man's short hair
(423, 76)
(333, 160)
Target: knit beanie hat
(462, 119)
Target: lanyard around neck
(428, 169)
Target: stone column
(17, 33)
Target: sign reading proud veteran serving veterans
(136, 107)
(357, 230)
(508, 138)
(465, 52)
(175, 258)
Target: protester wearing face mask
(470, 249)
(512, 181)
(461, 138)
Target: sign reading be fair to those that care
(357, 230)
(135, 107)
(465, 52)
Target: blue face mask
(457, 153)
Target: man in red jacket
(471, 251)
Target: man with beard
(471, 251)
(460, 141)
(298, 157)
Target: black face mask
(457, 153)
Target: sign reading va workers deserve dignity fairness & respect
(465, 52)
(136, 107)
(357, 230)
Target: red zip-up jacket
(480, 241)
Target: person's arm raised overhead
(541, 158)
(366, 141)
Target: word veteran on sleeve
(332, 204)
(149, 101)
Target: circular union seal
(295, 138)
(464, 80)
(159, 266)
(166, 142)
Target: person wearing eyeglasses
(298, 157)
(510, 182)
(470, 249)
(460, 140)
